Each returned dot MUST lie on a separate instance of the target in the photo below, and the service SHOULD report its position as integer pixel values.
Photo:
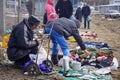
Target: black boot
(54, 59)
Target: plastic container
(76, 65)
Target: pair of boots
(54, 59)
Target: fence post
(2, 17)
(33, 7)
(19, 9)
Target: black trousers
(22, 61)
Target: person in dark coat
(86, 14)
(62, 28)
(64, 8)
(21, 42)
(78, 14)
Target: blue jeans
(86, 22)
(58, 39)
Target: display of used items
(99, 58)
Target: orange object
(5, 40)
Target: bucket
(76, 65)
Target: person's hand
(87, 53)
(42, 25)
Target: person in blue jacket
(21, 42)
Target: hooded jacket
(64, 9)
(67, 28)
(21, 41)
(50, 10)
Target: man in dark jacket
(60, 29)
(64, 8)
(86, 13)
(21, 42)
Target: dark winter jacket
(67, 28)
(78, 14)
(86, 11)
(64, 9)
(21, 41)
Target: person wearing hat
(60, 29)
(21, 42)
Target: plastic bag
(106, 63)
(115, 64)
(88, 18)
(42, 55)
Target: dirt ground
(108, 31)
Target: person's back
(64, 26)
(78, 14)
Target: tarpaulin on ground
(81, 75)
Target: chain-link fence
(13, 11)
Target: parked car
(112, 14)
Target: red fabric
(73, 55)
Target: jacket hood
(50, 2)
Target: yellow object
(72, 39)
(5, 40)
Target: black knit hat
(32, 20)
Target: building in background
(114, 1)
(113, 5)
